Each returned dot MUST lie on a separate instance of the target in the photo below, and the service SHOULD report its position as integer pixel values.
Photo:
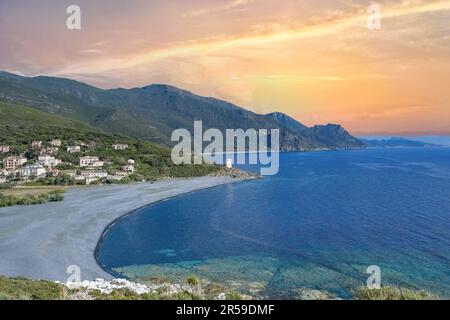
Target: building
(229, 164)
(73, 149)
(120, 146)
(121, 174)
(48, 161)
(32, 171)
(54, 172)
(70, 173)
(5, 149)
(116, 178)
(91, 162)
(128, 168)
(99, 174)
(90, 180)
(131, 161)
(55, 143)
(4, 176)
(12, 163)
(36, 144)
(53, 151)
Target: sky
(315, 60)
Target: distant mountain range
(395, 142)
(154, 111)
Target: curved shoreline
(42, 241)
(110, 225)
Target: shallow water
(318, 224)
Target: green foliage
(20, 125)
(392, 293)
(153, 112)
(234, 296)
(185, 295)
(192, 280)
(24, 289)
(30, 199)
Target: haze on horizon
(314, 60)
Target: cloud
(230, 5)
(337, 23)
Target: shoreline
(110, 225)
(40, 242)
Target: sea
(322, 223)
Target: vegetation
(234, 296)
(25, 289)
(392, 293)
(153, 112)
(193, 281)
(31, 199)
(20, 125)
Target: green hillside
(20, 125)
(153, 112)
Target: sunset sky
(314, 60)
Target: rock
(108, 286)
(222, 296)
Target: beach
(42, 241)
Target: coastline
(42, 241)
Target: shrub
(192, 280)
(392, 293)
(234, 296)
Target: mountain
(395, 142)
(19, 125)
(287, 121)
(154, 111)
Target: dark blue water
(318, 224)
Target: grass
(392, 293)
(25, 289)
(20, 191)
(24, 199)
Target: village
(44, 163)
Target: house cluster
(91, 168)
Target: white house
(36, 144)
(120, 146)
(131, 161)
(94, 174)
(5, 149)
(121, 174)
(55, 143)
(48, 161)
(73, 149)
(128, 168)
(116, 178)
(91, 162)
(90, 180)
(53, 151)
(32, 171)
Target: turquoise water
(318, 224)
